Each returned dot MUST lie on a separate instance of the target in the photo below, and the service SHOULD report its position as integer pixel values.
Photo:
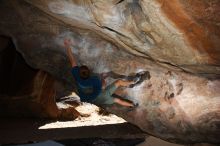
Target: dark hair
(84, 72)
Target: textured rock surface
(176, 40)
(36, 100)
(27, 92)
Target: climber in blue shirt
(91, 88)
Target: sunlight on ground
(92, 120)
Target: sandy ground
(93, 119)
(96, 119)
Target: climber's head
(84, 72)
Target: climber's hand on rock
(67, 43)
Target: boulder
(177, 41)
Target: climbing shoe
(140, 77)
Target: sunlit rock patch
(93, 118)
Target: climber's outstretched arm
(72, 59)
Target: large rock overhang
(170, 39)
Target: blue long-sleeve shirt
(88, 89)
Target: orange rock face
(27, 92)
(199, 21)
(39, 102)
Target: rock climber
(92, 88)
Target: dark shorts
(105, 97)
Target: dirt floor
(93, 118)
(95, 129)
